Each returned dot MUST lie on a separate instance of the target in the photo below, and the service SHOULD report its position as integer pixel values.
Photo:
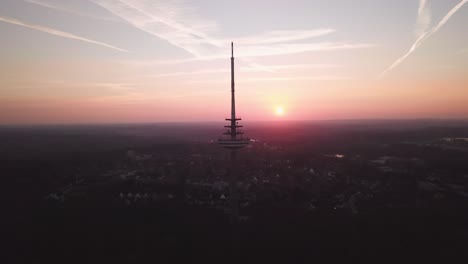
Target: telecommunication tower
(233, 139)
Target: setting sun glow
(279, 111)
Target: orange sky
(324, 101)
(97, 62)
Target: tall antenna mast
(233, 140)
(233, 96)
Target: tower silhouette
(233, 140)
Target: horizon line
(465, 119)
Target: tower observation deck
(233, 139)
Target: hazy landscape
(310, 189)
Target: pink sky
(101, 62)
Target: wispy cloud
(401, 59)
(424, 36)
(70, 11)
(279, 36)
(58, 33)
(448, 16)
(116, 86)
(184, 73)
(177, 23)
(255, 67)
(252, 67)
(255, 51)
(424, 18)
(309, 78)
(170, 20)
(290, 48)
(276, 79)
(150, 63)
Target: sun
(279, 111)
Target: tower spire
(233, 96)
(233, 130)
(233, 140)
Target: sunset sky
(119, 61)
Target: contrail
(168, 20)
(422, 6)
(424, 18)
(425, 36)
(179, 23)
(447, 17)
(57, 33)
(70, 11)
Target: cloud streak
(277, 79)
(252, 67)
(58, 33)
(424, 36)
(168, 20)
(291, 48)
(424, 18)
(309, 78)
(256, 51)
(177, 23)
(177, 74)
(70, 11)
(280, 36)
